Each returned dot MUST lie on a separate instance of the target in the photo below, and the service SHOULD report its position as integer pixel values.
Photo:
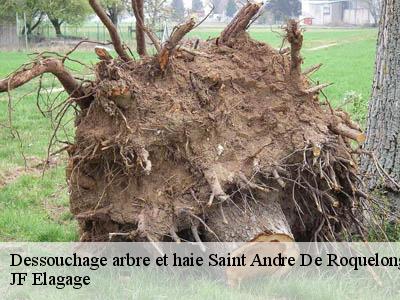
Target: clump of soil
(229, 143)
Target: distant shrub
(355, 103)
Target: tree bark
(240, 22)
(255, 221)
(57, 26)
(138, 10)
(383, 127)
(179, 32)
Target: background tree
(114, 9)
(284, 9)
(156, 11)
(374, 7)
(383, 125)
(197, 5)
(33, 10)
(219, 5)
(7, 11)
(231, 8)
(178, 9)
(61, 11)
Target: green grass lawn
(35, 208)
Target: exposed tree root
(295, 38)
(312, 70)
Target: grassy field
(34, 207)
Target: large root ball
(228, 143)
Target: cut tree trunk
(260, 219)
(383, 127)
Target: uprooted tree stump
(226, 142)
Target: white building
(339, 12)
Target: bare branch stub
(294, 36)
(102, 53)
(116, 40)
(240, 22)
(345, 131)
(317, 88)
(177, 35)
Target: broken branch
(317, 88)
(240, 22)
(312, 69)
(197, 238)
(174, 235)
(348, 132)
(193, 52)
(177, 35)
(102, 53)
(347, 120)
(216, 189)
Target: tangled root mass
(228, 143)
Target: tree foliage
(156, 11)
(285, 9)
(31, 9)
(115, 8)
(71, 12)
(35, 11)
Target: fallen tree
(225, 142)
